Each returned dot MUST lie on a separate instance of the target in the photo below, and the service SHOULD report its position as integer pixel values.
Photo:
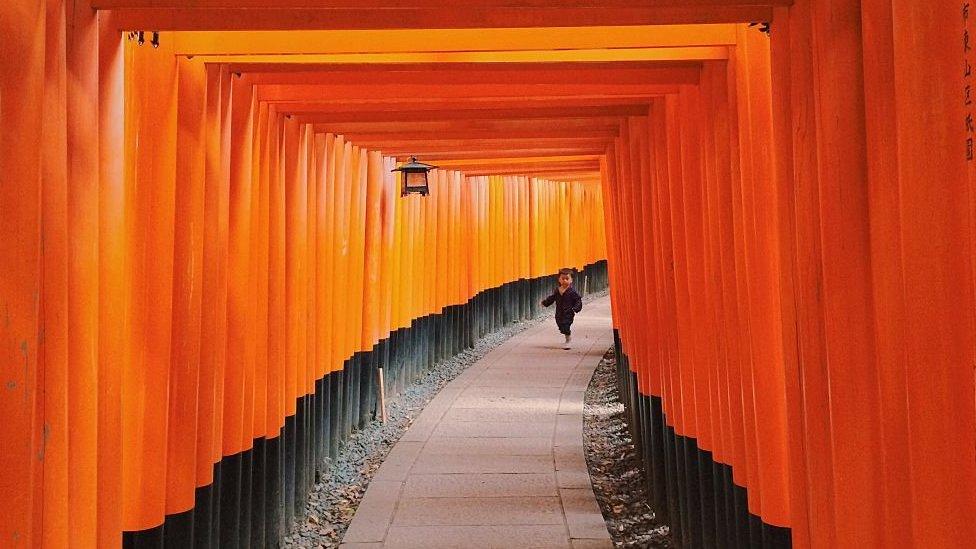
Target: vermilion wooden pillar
(875, 187)
(933, 113)
(22, 83)
(111, 277)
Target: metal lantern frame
(414, 177)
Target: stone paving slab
(375, 512)
(480, 485)
(521, 403)
(568, 428)
(571, 402)
(568, 459)
(579, 380)
(490, 446)
(512, 392)
(573, 478)
(496, 459)
(514, 378)
(556, 376)
(492, 463)
(583, 514)
(420, 430)
(489, 537)
(398, 462)
(503, 429)
(479, 511)
(496, 415)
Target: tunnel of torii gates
(205, 255)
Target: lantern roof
(414, 166)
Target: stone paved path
(496, 459)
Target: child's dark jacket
(567, 303)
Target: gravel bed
(615, 467)
(334, 500)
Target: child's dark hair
(565, 272)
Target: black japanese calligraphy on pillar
(967, 48)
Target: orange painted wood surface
(192, 235)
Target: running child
(568, 303)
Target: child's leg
(564, 329)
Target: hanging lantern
(414, 177)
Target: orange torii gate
(789, 232)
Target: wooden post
(382, 396)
